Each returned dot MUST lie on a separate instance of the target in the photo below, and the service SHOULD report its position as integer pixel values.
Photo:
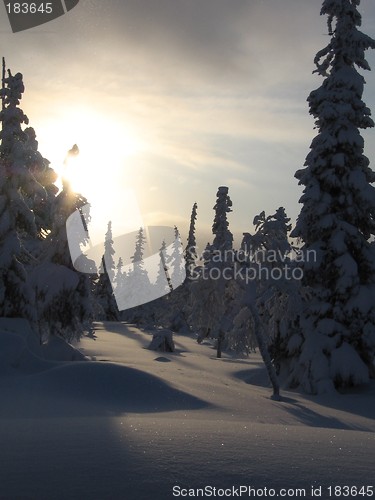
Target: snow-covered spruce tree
(109, 252)
(12, 116)
(222, 247)
(160, 311)
(104, 287)
(278, 294)
(181, 300)
(272, 235)
(337, 218)
(173, 309)
(63, 294)
(119, 278)
(139, 274)
(41, 202)
(223, 240)
(241, 338)
(176, 262)
(191, 250)
(163, 282)
(17, 299)
(209, 291)
(265, 258)
(137, 284)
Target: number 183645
(29, 8)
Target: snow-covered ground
(136, 423)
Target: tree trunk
(220, 339)
(265, 354)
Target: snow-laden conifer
(138, 290)
(16, 218)
(119, 276)
(163, 282)
(63, 293)
(191, 248)
(209, 311)
(223, 239)
(42, 201)
(109, 252)
(104, 287)
(176, 262)
(139, 274)
(337, 219)
(278, 293)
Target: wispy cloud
(216, 90)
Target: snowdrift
(21, 352)
(59, 387)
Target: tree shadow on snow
(254, 376)
(122, 329)
(312, 418)
(242, 361)
(91, 389)
(355, 403)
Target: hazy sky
(173, 98)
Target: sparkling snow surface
(137, 422)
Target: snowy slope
(135, 423)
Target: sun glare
(105, 147)
(102, 170)
(104, 151)
(91, 173)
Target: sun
(92, 173)
(101, 169)
(106, 147)
(104, 152)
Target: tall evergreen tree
(190, 250)
(272, 233)
(64, 294)
(138, 290)
(139, 274)
(163, 282)
(278, 293)
(109, 252)
(223, 240)
(104, 288)
(42, 202)
(16, 218)
(176, 262)
(209, 291)
(337, 219)
(119, 277)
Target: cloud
(216, 88)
